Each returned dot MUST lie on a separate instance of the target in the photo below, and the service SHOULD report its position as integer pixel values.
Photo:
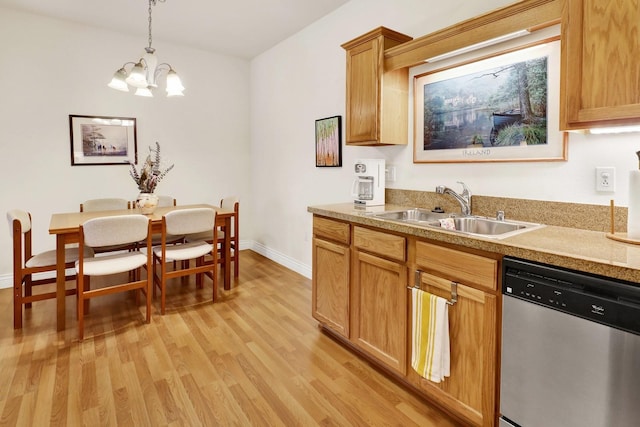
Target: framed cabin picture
(103, 140)
(501, 107)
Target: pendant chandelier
(144, 74)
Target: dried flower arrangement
(150, 174)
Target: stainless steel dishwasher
(570, 348)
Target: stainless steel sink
(471, 225)
(415, 215)
(486, 226)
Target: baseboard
(6, 280)
(278, 257)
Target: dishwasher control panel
(606, 301)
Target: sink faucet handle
(500, 215)
(466, 193)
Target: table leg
(60, 282)
(227, 253)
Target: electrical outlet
(606, 179)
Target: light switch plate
(390, 173)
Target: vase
(147, 203)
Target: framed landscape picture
(329, 142)
(502, 108)
(101, 140)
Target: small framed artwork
(102, 140)
(500, 108)
(329, 142)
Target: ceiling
(243, 28)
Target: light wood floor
(256, 357)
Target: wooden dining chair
(26, 263)
(232, 204)
(227, 204)
(183, 222)
(112, 231)
(107, 204)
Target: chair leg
(81, 303)
(17, 303)
(235, 259)
(28, 289)
(87, 301)
(163, 285)
(147, 294)
(215, 275)
(199, 276)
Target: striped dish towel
(430, 355)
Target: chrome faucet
(464, 199)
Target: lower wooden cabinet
(360, 279)
(470, 391)
(331, 271)
(379, 309)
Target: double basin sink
(472, 225)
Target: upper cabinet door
(600, 67)
(377, 101)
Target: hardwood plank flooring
(255, 358)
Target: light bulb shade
(137, 76)
(174, 84)
(118, 81)
(144, 91)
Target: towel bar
(454, 287)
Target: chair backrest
(95, 205)
(229, 203)
(115, 230)
(164, 201)
(23, 217)
(19, 226)
(232, 203)
(189, 221)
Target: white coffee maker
(368, 186)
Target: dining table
(66, 228)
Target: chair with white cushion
(232, 204)
(181, 222)
(227, 204)
(25, 264)
(108, 204)
(110, 231)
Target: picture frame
(329, 142)
(475, 111)
(103, 140)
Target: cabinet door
(470, 390)
(600, 50)
(330, 290)
(379, 309)
(363, 93)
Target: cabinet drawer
(468, 269)
(335, 230)
(387, 245)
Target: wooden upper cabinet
(377, 101)
(600, 69)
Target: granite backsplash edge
(575, 215)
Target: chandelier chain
(150, 38)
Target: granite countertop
(578, 249)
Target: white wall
(303, 79)
(254, 122)
(52, 68)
